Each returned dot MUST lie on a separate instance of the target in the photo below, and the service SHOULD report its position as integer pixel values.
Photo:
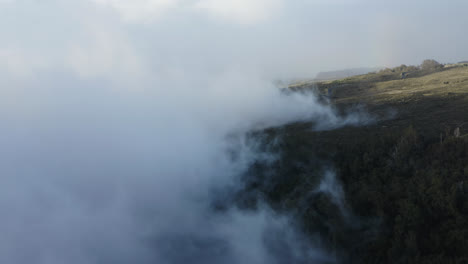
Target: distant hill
(339, 74)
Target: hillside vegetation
(404, 176)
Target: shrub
(431, 65)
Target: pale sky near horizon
(284, 38)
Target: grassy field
(432, 103)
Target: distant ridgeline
(427, 66)
(333, 75)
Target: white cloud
(93, 48)
(241, 11)
(91, 53)
(16, 62)
(101, 52)
(139, 10)
(236, 11)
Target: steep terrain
(404, 176)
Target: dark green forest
(404, 180)
(406, 196)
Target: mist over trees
(164, 131)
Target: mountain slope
(404, 176)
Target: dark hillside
(404, 177)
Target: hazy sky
(96, 38)
(115, 115)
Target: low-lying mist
(116, 140)
(91, 175)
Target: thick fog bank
(91, 175)
(120, 120)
